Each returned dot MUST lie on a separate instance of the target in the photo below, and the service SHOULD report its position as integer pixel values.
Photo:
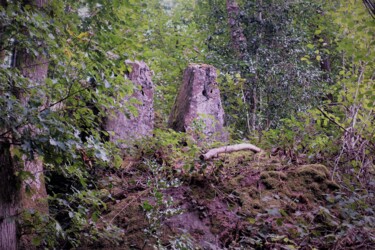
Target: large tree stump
(124, 126)
(198, 105)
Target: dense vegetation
(296, 78)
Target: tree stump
(198, 107)
(123, 125)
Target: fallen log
(229, 149)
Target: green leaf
(36, 241)
(147, 206)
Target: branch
(331, 120)
(344, 129)
(370, 7)
(24, 123)
(229, 149)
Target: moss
(315, 172)
(249, 205)
(253, 192)
(237, 158)
(318, 167)
(256, 205)
(278, 174)
(233, 183)
(291, 207)
(272, 179)
(314, 187)
(332, 185)
(271, 183)
(270, 167)
(264, 175)
(273, 174)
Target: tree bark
(238, 38)
(240, 47)
(212, 153)
(9, 190)
(9, 199)
(13, 198)
(35, 68)
(3, 4)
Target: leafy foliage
(302, 84)
(84, 78)
(271, 82)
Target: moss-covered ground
(238, 201)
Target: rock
(198, 105)
(123, 126)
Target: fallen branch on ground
(229, 149)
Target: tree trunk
(9, 195)
(238, 38)
(13, 197)
(239, 44)
(9, 199)
(35, 68)
(3, 4)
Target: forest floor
(238, 201)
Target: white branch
(229, 149)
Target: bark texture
(198, 103)
(3, 4)
(13, 196)
(9, 199)
(239, 42)
(35, 68)
(125, 126)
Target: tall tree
(34, 68)
(9, 198)
(56, 118)
(238, 38)
(260, 46)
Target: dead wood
(212, 153)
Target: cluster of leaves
(161, 206)
(340, 129)
(270, 82)
(323, 227)
(60, 121)
(165, 35)
(173, 149)
(74, 221)
(85, 44)
(340, 132)
(325, 58)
